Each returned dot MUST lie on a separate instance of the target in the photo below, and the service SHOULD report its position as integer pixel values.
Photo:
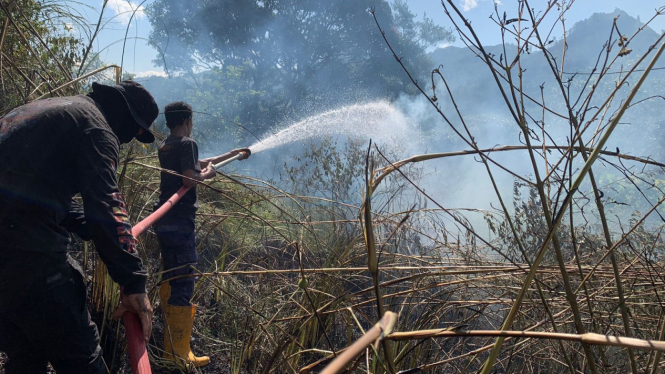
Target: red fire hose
(138, 354)
(140, 227)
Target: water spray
(379, 120)
(138, 354)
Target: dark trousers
(177, 242)
(50, 323)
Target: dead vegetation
(288, 281)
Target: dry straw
(291, 278)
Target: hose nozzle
(245, 153)
(236, 154)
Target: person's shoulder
(67, 109)
(87, 111)
(76, 107)
(49, 106)
(84, 104)
(66, 103)
(178, 143)
(187, 139)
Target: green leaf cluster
(265, 62)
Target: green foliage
(265, 61)
(38, 53)
(424, 34)
(328, 170)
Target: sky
(139, 54)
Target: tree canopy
(267, 60)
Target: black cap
(140, 103)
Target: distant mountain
(474, 86)
(469, 77)
(586, 38)
(476, 92)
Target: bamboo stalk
(587, 338)
(373, 335)
(27, 79)
(25, 41)
(78, 79)
(35, 33)
(5, 26)
(92, 38)
(365, 216)
(656, 361)
(599, 205)
(385, 171)
(578, 181)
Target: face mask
(121, 121)
(124, 129)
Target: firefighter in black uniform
(51, 150)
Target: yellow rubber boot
(178, 333)
(164, 295)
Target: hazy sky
(139, 54)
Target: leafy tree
(267, 60)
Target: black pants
(177, 242)
(51, 324)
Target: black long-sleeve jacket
(51, 150)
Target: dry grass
(288, 281)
